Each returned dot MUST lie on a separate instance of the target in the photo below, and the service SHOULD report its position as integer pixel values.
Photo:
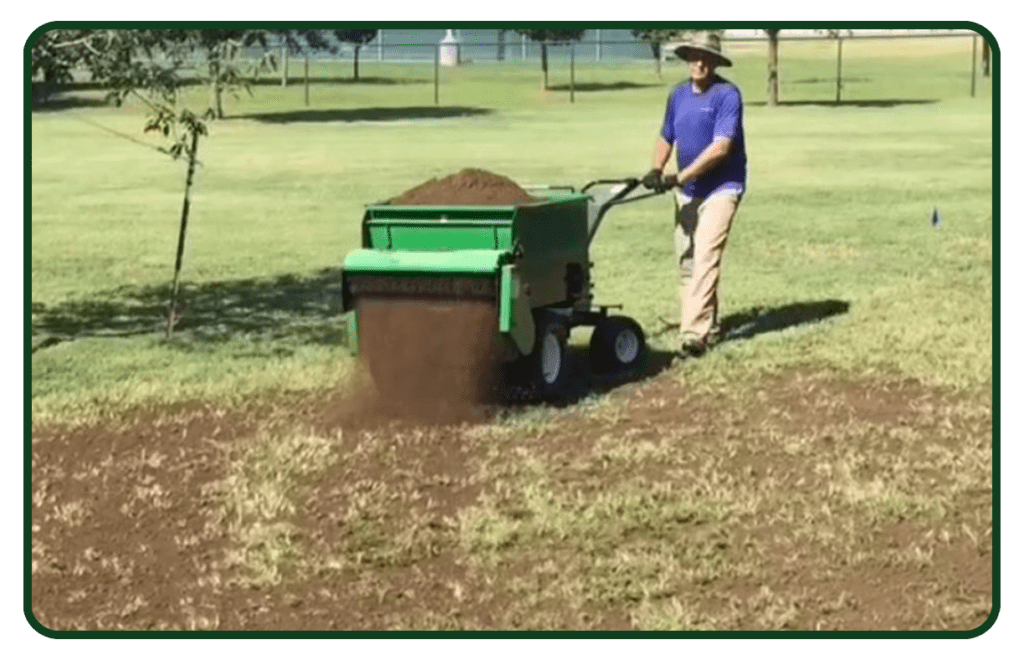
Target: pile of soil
(467, 187)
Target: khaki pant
(701, 231)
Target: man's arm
(662, 150)
(715, 153)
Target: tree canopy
(358, 38)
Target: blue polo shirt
(693, 121)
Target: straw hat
(708, 42)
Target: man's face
(702, 65)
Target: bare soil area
(804, 502)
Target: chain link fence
(814, 67)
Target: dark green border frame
(996, 215)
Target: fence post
(839, 67)
(437, 71)
(306, 75)
(572, 73)
(974, 62)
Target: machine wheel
(617, 345)
(549, 362)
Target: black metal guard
(619, 198)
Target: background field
(840, 438)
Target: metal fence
(823, 67)
(489, 45)
(813, 67)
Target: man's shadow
(758, 320)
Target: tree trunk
(986, 57)
(656, 49)
(172, 311)
(216, 89)
(501, 45)
(355, 63)
(544, 65)
(773, 67)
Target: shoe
(692, 348)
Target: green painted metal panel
(442, 237)
(505, 294)
(490, 213)
(411, 261)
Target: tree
(220, 49)
(358, 38)
(773, 66)
(109, 55)
(148, 65)
(550, 36)
(57, 53)
(656, 38)
(152, 67)
(156, 82)
(501, 45)
(773, 60)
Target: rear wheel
(617, 345)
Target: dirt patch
(467, 187)
(831, 523)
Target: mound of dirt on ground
(467, 187)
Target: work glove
(653, 181)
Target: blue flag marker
(936, 218)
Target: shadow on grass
(297, 80)
(67, 103)
(831, 81)
(290, 308)
(743, 325)
(758, 320)
(875, 103)
(584, 382)
(602, 87)
(366, 114)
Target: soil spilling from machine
(467, 287)
(432, 362)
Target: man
(704, 123)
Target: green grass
(833, 273)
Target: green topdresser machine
(526, 268)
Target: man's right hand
(652, 180)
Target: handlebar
(618, 198)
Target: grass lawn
(848, 310)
